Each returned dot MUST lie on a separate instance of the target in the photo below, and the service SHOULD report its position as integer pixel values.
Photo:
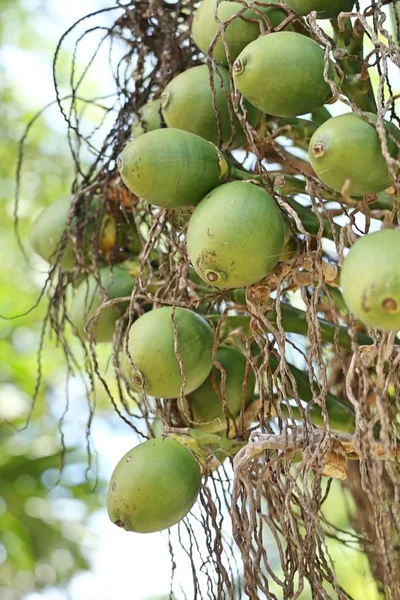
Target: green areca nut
(148, 118)
(171, 167)
(370, 279)
(116, 282)
(282, 74)
(325, 9)
(206, 402)
(153, 486)
(154, 361)
(240, 31)
(187, 103)
(235, 235)
(346, 150)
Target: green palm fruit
(171, 167)
(192, 88)
(147, 119)
(49, 227)
(370, 279)
(153, 486)
(289, 245)
(206, 402)
(282, 74)
(47, 231)
(235, 235)
(116, 282)
(158, 427)
(348, 148)
(325, 10)
(239, 33)
(128, 239)
(155, 367)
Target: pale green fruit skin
(282, 74)
(88, 296)
(187, 103)
(206, 403)
(153, 486)
(49, 227)
(47, 231)
(171, 167)
(151, 346)
(239, 33)
(351, 149)
(158, 427)
(147, 119)
(128, 238)
(327, 9)
(370, 279)
(235, 235)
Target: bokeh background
(56, 541)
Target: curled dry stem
(334, 454)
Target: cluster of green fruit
(164, 468)
(153, 366)
(105, 236)
(281, 74)
(180, 156)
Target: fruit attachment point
(119, 163)
(165, 96)
(318, 149)
(390, 305)
(137, 380)
(215, 276)
(120, 523)
(238, 66)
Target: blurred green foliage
(41, 523)
(41, 526)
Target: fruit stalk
(294, 320)
(320, 115)
(350, 56)
(204, 444)
(341, 415)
